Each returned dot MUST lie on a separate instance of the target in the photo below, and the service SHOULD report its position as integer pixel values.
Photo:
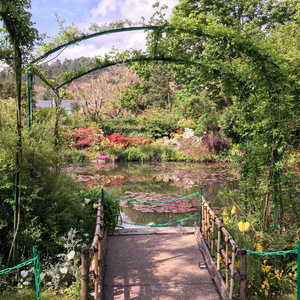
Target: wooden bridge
(164, 262)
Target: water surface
(158, 182)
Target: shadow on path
(163, 266)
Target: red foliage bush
(124, 141)
(139, 141)
(120, 140)
(84, 137)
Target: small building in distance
(69, 105)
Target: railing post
(219, 247)
(205, 223)
(97, 273)
(232, 271)
(208, 224)
(213, 233)
(243, 273)
(85, 265)
(298, 269)
(200, 210)
(226, 261)
(37, 270)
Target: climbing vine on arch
(238, 63)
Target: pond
(159, 181)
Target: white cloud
(100, 46)
(86, 50)
(104, 7)
(103, 11)
(128, 9)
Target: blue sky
(82, 13)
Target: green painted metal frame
(145, 28)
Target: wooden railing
(95, 271)
(217, 239)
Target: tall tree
(105, 94)
(16, 40)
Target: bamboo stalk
(205, 223)
(85, 263)
(203, 216)
(226, 262)
(232, 273)
(96, 283)
(243, 272)
(208, 226)
(213, 233)
(219, 247)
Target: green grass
(30, 295)
(289, 297)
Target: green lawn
(30, 295)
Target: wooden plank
(155, 230)
(217, 277)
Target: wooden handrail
(210, 222)
(94, 271)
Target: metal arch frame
(145, 28)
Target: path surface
(156, 264)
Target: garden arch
(252, 53)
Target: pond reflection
(158, 182)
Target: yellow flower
(244, 227)
(290, 274)
(249, 286)
(247, 226)
(263, 286)
(233, 209)
(255, 293)
(259, 247)
(266, 293)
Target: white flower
(86, 200)
(25, 283)
(95, 205)
(63, 270)
(188, 133)
(71, 255)
(24, 273)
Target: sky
(82, 13)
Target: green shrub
(115, 153)
(132, 154)
(122, 125)
(111, 206)
(75, 157)
(156, 123)
(171, 154)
